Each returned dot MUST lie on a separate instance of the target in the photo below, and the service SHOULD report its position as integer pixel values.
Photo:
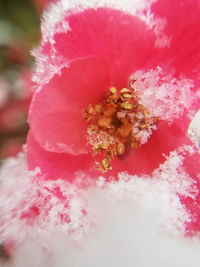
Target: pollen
(105, 164)
(117, 124)
(126, 105)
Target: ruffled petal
(124, 39)
(56, 110)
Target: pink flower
(89, 50)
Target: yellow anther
(90, 109)
(104, 145)
(126, 105)
(127, 96)
(96, 146)
(143, 126)
(115, 124)
(113, 90)
(125, 90)
(105, 163)
(120, 148)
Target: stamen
(117, 123)
(105, 163)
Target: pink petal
(122, 38)
(139, 161)
(183, 27)
(145, 159)
(57, 165)
(56, 109)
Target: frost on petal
(84, 31)
(164, 95)
(53, 16)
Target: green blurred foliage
(19, 27)
(23, 16)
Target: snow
(136, 221)
(162, 94)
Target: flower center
(116, 124)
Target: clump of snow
(162, 94)
(15, 182)
(106, 223)
(31, 206)
(121, 240)
(158, 193)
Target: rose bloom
(81, 121)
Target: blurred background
(19, 34)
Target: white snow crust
(130, 222)
(164, 95)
